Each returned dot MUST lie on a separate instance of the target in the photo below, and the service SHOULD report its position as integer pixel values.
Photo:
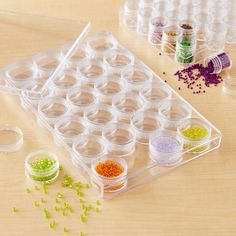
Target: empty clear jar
(91, 71)
(117, 181)
(88, 148)
(125, 105)
(165, 148)
(185, 51)
(169, 39)
(144, 124)
(203, 19)
(100, 43)
(98, 117)
(68, 129)
(144, 16)
(64, 83)
(156, 26)
(130, 13)
(46, 63)
(120, 141)
(136, 77)
(51, 109)
(20, 74)
(172, 112)
(118, 59)
(216, 36)
(153, 96)
(107, 88)
(80, 99)
(195, 135)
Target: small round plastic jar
(121, 179)
(45, 174)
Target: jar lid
(11, 138)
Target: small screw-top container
(129, 13)
(91, 71)
(195, 135)
(80, 99)
(202, 19)
(64, 83)
(144, 124)
(185, 50)
(118, 59)
(20, 74)
(99, 44)
(136, 77)
(156, 26)
(165, 148)
(172, 112)
(88, 148)
(120, 141)
(144, 16)
(51, 109)
(218, 62)
(125, 105)
(68, 129)
(109, 87)
(169, 39)
(188, 29)
(46, 63)
(118, 175)
(42, 166)
(98, 117)
(153, 95)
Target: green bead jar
(42, 166)
(185, 51)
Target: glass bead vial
(144, 15)
(185, 50)
(130, 13)
(195, 135)
(155, 33)
(165, 148)
(188, 29)
(169, 39)
(43, 175)
(111, 184)
(218, 62)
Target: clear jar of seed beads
(156, 26)
(169, 39)
(195, 135)
(185, 50)
(42, 166)
(188, 29)
(110, 170)
(165, 148)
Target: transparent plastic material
(129, 125)
(11, 138)
(210, 24)
(38, 46)
(45, 175)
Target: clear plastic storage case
(105, 106)
(108, 116)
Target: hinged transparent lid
(32, 46)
